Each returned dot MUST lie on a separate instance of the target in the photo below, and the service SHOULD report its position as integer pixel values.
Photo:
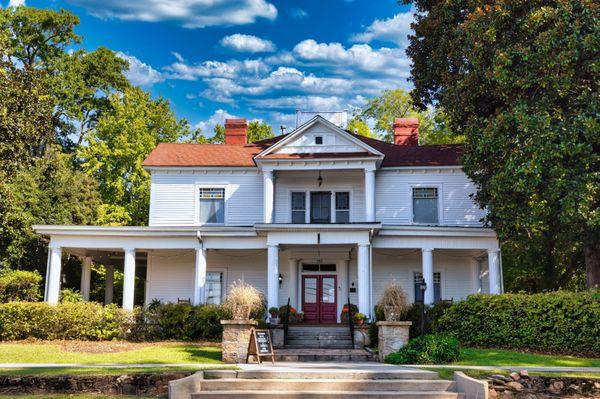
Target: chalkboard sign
(260, 345)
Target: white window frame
(440, 192)
(223, 288)
(442, 283)
(306, 204)
(348, 190)
(334, 208)
(197, 188)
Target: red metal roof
(188, 155)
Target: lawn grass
(70, 396)
(162, 353)
(59, 371)
(502, 357)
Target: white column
(268, 194)
(369, 195)
(363, 279)
(86, 277)
(272, 276)
(494, 271)
(199, 276)
(427, 255)
(109, 287)
(128, 278)
(293, 283)
(53, 276)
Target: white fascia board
(319, 163)
(437, 231)
(318, 119)
(142, 231)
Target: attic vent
(319, 140)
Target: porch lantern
(320, 179)
(280, 279)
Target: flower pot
(241, 312)
(391, 313)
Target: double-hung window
(214, 288)
(425, 205)
(212, 205)
(298, 207)
(342, 207)
(437, 286)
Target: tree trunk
(592, 264)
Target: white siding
(393, 196)
(457, 279)
(174, 197)
(286, 182)
(171, 273)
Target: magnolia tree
(519, 78)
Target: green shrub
(432, 316)
(427, 349)
(179, 321)
(19, 285)
(82, 320)
(70, 295)
(556, 321)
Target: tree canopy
(398, 103)
(520, 79)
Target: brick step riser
(320, 330)
(236, 384)
(317, 345)
(323, 395)
(319, 336)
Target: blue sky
(258, 59)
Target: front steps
(324, 382)
(319, 337)
(322, 355)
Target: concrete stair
(324, 383)
(322, 355)
(319, 337)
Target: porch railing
(351, 321)
(286, 322)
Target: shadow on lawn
(203, 354)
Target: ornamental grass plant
(393, 302)
(244, 300)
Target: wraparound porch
(278, 260)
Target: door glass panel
(328, 289)
(310, 290)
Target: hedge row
(83, 320)
(565, 322)
(19, 285)
(92, 321)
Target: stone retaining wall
(522, 386)
(146, 384)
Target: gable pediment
(321, 137)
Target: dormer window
(318, 139)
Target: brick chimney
(235, 131)
(406, 131)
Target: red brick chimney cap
(406, 122)
(235, 121)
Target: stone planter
(236, 336)
(361, 337)
(393, 335)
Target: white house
(318, 215)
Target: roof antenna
(282, 127)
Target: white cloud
(209, 69)
(247, 43)
(139, 73)
(307, 102)
(382, 61)
(297, 13)
(395, 29)
(190, 13)
(15, 3)
(218, 117)
(177, 56)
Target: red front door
(319, 298)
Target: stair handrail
(286, 322)
(351, 322)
